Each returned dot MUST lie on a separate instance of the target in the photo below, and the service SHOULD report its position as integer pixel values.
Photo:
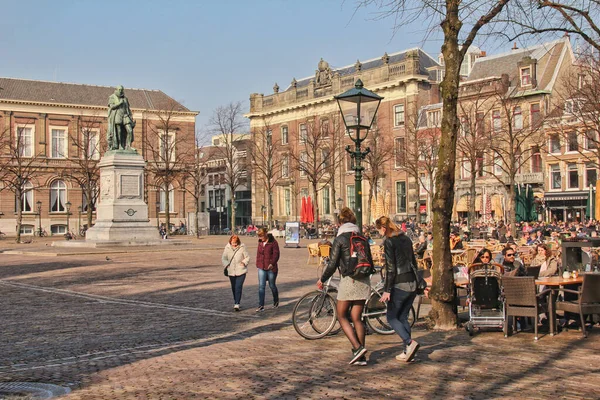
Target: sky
(202, 53)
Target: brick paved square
(157, 323)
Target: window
(401, 197)
(58, 229)
(433, 119)
(25, 141)
(304, 192)
(350, 199)
(536, 117)
(518, 159)
(326, 158)
(525, 76)
(591, 175)
(210, 180)
(573, 176)
(572, 106)
(326, 200)
(287, 201)
(517, 118)
(303, 163)
(465, 169)
(480, 164)
(324, 128)
(555, 178)
(400, 152)
(26, 198)
(423, 184)
(498, 165)
(349, 162)
(480, 124)
(399, 115)
(163, 199)
(591, 140)
(59, 143)
(90, 136)
(284, 134)
(465, 129)
(58, 196)
(303, 133)
(285, 166)
(536, 159)
(166, 146)
(27, 229)
(572, 144)
(496, 121)
(554, 144)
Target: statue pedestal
(122, 214)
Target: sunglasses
(510, 254)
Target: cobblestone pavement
(157, 323)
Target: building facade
(57, 125)
(302, 124)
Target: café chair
(313, 252)
(587, 300)
(521, 300)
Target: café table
(554, 283)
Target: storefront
(566, 206)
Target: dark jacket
(421, 248)
(340, 255)
(267, 253)
(399, 259)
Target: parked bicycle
(315, 314)
(40, 232)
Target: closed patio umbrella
(590, 207)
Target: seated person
(512, 267)
(421, 247)
(589, 259)
(547, 262)
(324, 241)
(483, 257)
(532, 239)
(507, 237)
(455, 242)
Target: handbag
(421, 282)
(227, 266)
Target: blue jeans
(263, 277)
(397, 312)
(237, 283)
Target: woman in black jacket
(400, 283)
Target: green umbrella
(520, 203)
(590, 207)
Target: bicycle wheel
(314, 315)
(374, 314)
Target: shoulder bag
(230, 261)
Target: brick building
(51, 121)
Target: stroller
(484, 295)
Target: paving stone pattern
(157, 323)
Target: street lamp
(68, 214)
(338, 204)
(39, 210)
(358, 107)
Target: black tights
(355, 335)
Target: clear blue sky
(202, 53)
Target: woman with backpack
(400, 283)
(352, 293)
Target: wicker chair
(587, 301)
(521, 300)
(313, 252)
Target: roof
(425, 62)
(78, 94)
(547, 54)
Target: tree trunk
(369, 202)
(443, 290)
(90, 205)
(315, 205)
(19, 195)
(167, 210)
(473, 194)
(232, 199)
(269, 207)
(196, 225)
(510, 206)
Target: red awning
(423, 209)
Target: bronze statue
(120, 121)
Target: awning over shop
(497, 205)
(463, 204)
(566, 199)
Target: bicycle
(315, 315)
(40, 233)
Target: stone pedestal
(122, 214)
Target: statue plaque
(130, 185)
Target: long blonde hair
(390, 227)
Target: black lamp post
(68, 214)
(358, 107)
(39, 210)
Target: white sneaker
(401, 356)
(236, 307)
(411, 350)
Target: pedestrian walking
(267, 256)
(235, 261)
(352, 293)
(400, 283)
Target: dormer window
(572, 106)
(526, 76)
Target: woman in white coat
(235, 259)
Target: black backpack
(361, 262)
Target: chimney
(515, 46)
(482, 54)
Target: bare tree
(315, 155)
(195, 178)
(473, 142)
(380, 154)
(461, 22)
(83, 169)
(269, 164)
(170, 152)
(227, 122)
(20, 165)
